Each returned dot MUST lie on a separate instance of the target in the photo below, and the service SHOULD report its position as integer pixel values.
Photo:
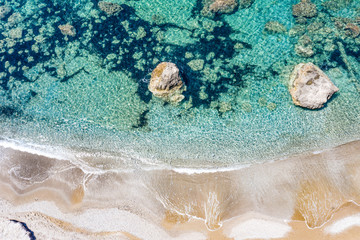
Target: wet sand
(309, 196)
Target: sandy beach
(310, 196)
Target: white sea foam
(77, 157)
(255, 228)
(343, 224)
(46, 151)
(49, 152)
(191, 171)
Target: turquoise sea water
(88, 93)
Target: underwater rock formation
(310, 87)
(218, 6)
(304, 9)
(352, 30)
(304, 47)
(223, 6)
(166, 82)
(4, 10)
(67, 30)
(16, 33)
(245, 3)
(109, 8)
(274, 27)
(196, 64)
(14, 19)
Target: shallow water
(77, 119)
(89, 92)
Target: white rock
(310, 87)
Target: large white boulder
(310, 87)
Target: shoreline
(83, 159)
(274, 195)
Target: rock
(304, 47)
(224, 107)
(304, 9)
(352, 30)
(110, 9)
(297, 30)
(310, 87)
(67, 30)
(196, 64)
(218, 6)
(4, 10)
(223, 6)
(304, 51)
(274, 27)
(14, 19)
(189, 55)
(245, 3)
(166, 82)
(16, 33)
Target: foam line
(33, 149)
(344, 224)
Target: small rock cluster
(304, 47)
(218, 6)
(352, 30)
(245, 3)
(274, 27)
(110, 9)
(223, 6)
(303, 10)
(4, 10)
(67, 30)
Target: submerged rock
(166, 82)
(218, 6)
(196, 64)
(304, 51)
(109, 8)
(16, 33)
(245, 3)
(304, 9)
(14, 19)
(223, 6)
(274, 27)
(304, 47)
(352, 30)
(4, 10)
(67, 30)
(310, 87)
